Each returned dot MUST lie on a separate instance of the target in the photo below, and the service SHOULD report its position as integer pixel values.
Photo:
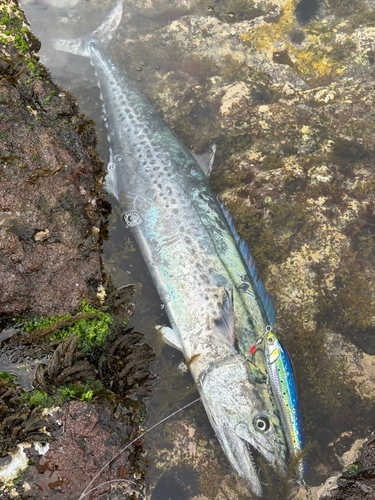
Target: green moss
(78, 391)
(38, 398)
(92, 331)
(20, 43)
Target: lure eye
(262, 424)
(270, 340)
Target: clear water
(187, 441)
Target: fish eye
(262, 424)
(270, 340)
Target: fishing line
(85, 492)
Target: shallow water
(187, 441)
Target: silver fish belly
(194, 261)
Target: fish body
(280, 372)
(214, 308)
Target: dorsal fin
(225, 322)
(206, 159)
(266, 300)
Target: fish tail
(102, 35)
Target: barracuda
(216, 305)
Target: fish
(282, 380)
(216, 305)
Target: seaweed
(297, 36)
(346, 151)
(281, 486)
(18, 420)
(306, 11)
(345, 8)
(124, 367)
(90, 325)
(282, 57)
(272, 162)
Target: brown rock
(50, 185)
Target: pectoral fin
(170, 337)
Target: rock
(358, 478)
(361, 366)
(45, 148)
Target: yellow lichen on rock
(313, 58)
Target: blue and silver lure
(282, 381)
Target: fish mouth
(261, 449)
(259, 463)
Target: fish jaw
(235, 410)
(234, 447)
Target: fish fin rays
(206, 159)
(267, 301)
(103, 34)
(110, 181)
(105, 31)
(170, 337)
(225, 322)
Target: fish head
(242, 421)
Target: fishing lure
(282, 381)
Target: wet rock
(91, 438)
(361, 366)
(288, 100)
(50, 184)
(356, 482)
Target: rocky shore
(285, 90)
(68, 364)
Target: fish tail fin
(102, 35)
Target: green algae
(13, 29)
(92, 331)
(5, 376)
(67, 392)
(38, 398)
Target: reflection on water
(204, 69)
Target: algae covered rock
(287, 96)
(50, 183)
(68, 364)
